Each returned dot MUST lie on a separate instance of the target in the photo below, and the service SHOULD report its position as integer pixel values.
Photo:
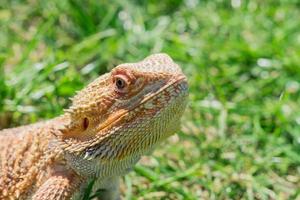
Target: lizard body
(111, 123)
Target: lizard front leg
(61, 185)
(109, 189)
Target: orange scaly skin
(112, 122)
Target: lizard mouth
(177, 87)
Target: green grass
(240, 136)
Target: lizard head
(127, 111)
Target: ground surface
(241, 132)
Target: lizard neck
(101, 169)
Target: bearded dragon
(111, 123)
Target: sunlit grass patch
(240, 134)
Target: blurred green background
(240, 136)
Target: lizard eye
(120, 84)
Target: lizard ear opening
(85, 123)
